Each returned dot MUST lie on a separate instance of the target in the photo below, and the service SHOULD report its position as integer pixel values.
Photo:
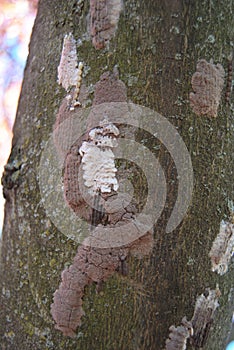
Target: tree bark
(156, 47)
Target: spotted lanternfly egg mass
(207, 84)
(98, 159)
(179, 336)
(69, 74)
(203, 317)
(67, 69)
(229, 80)
(104, 17)
(96, 259)
(197, 330)
(222, 248)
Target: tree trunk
(156, 48)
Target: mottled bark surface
(156, 47)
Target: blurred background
(16, 22)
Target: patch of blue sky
(230, 346)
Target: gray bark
(156, 47)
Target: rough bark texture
(156, 46)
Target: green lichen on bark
(156, 48)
